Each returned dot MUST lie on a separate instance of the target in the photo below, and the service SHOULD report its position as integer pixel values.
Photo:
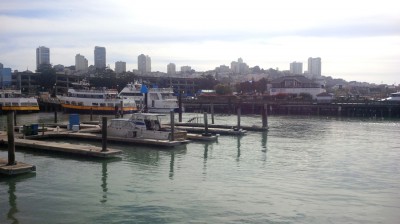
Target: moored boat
(12, 100)
(142, 125)
(82, 99)
(160, 100)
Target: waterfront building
(144, 63)
(185, 69)
(296, 68)
(81, 63)
(99, 57)
(295, 85)
(171, 69)
(120, 67)
(239, 67)
(42, 56)
(5, 77)
(314, 67)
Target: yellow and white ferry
(82, 99)
(12, 100)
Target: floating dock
(91, 151)
(220, 131)
(92, 136)
(246, 128)
(18, 168)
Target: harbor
(298, 159)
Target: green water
(304, 170)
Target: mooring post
(205, 123)
(55, 116)
(15, 118)
(180, 106)
(172, 121)
(10, 135)
(122, 108)
(239, 114)
(340, 111)
(212, 113)
(264, 116)
(145, 108)
(104, 134)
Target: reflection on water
(104, 181)
(12, 200)
(12, 197)
(171, 166)
(264, 148)
(238, 147)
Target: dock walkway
(18, 168)
(91, 151)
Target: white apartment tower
(42, 56)
(120, 67)
(171, 69)
(81, 63)
(314, 67)
(296, 68)
(99, 57)
(144, 63)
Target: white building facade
(81, 63)
(120, 67)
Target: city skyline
(355, 41)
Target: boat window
(102, 104)
(67, 102)
(73, 103)
(110, 104)
(80, 104)
(14, 103)
(95, 104)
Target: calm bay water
(304, 170)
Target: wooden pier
(18, 168)
(91, 151)
(92, 136)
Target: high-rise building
(1, 65)
(314, 67)
(5, 77)
(81, 63)
(296, 68)
(120, 67)
(42, 56)
(171, 69)
(186, 68)
(99, 57)
(144, 63)
(239, 67)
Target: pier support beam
(264, 116)
(239, 114)
(212, 113)
(172, 121)
(180, 106)
(104, 134)
(10, 135)
(206, 124)
(55, 116)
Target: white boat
(82, 99)
(12, 100)
(142, 125)
(160, 100)
(393, 97)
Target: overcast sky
(356, 40)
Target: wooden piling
(172, 121)
(264, 116)
(122, 108)
(205, 123)
(91, 114)
(239, 114)
(212, 113)
(10, 135)
(104, 134)
(15, 118)
(145, 109)
(55, 116)
(180, 106)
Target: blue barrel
(34, 129)
(73, 120)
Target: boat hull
(97, 110)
